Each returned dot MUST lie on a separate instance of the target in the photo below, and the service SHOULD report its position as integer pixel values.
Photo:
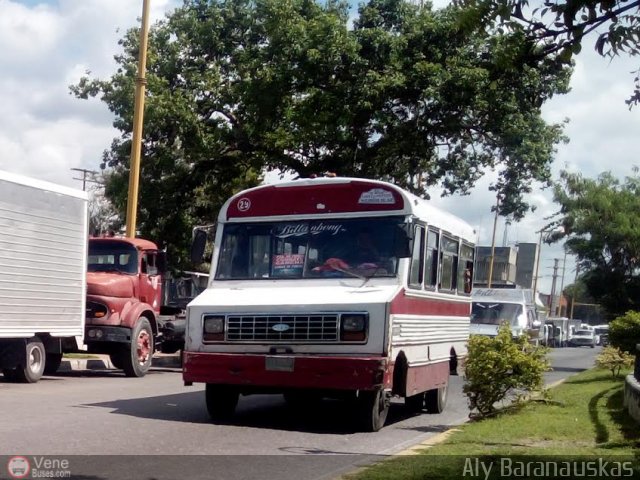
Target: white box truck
(43, 265)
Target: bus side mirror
(161, 262)
(198, 245)
(402, 240)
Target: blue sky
(47, 45)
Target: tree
(600, 226)
(562, 26)
(498, 367)
(239, 87)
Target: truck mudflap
(287, 371)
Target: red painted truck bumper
(273, 371)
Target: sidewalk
(102, 362)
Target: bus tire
(136, 360)
(436, 399)
(373, 407)
(221, 401)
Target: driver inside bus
(364, 252)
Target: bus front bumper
(287, 371)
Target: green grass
(584, 417)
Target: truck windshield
(112, 256)
(495, 313)
(309, 249)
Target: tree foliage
(614, 359)
(240, 87)
(600, 220)
(498, 367)
(624, 332)
(562, 26)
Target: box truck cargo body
(43, 264)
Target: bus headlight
(353, 327)
(213, 328)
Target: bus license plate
(279, 364)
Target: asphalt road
(156, 418)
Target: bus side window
(465, 269)
(431, 260)
(416, 270)
(448, 278)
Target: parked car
(583, 338)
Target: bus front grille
(314, 328)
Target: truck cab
(124, 301)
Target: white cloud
(47, 45)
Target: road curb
(103, 362)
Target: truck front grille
(313, 328)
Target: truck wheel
(137, 360)
(221, 401)
(436, 400)
(34, 368)
(373, 407)
(52, 364)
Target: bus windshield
(490, 313)
(339, 248)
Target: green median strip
(581, 431)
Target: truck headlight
(353, 327)
(213, 328)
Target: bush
(496, 368)
(614, 359)
(624, 332)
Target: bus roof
(339, 197)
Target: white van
(491, 307)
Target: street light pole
(138, 116)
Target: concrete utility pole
(138, 116)
(493, 243)
(552, 307)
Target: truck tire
(373, 407)
(136, 361)
(52, 364)
(436, 400)
(35, 361)
(221, 401)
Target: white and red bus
(332, 287)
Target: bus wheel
(221, 401)
(373, 407)
(436, 400)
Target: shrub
(624, 332)
(497, 368)
(614, 359)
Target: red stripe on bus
(410, 305)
